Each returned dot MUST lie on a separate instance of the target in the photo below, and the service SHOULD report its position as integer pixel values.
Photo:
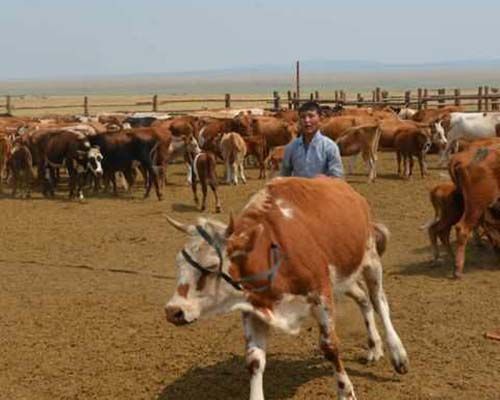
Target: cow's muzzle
(175, 316)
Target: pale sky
(65, 38)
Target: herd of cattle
(95, 150)
(292, 236)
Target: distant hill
(323, 75)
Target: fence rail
(486, 99)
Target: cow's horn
(186, 228)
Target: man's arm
(334, 161)
(286, 165)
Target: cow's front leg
(328, 341)
(256, 333)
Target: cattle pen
(482, 99)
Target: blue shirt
(321, 156)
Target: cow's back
(321, 216)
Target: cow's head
(438, 133)
(200, 290)
(94, 159)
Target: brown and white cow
(279, 261)
(233, 149)
(362, 139)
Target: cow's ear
(186, 228)
(230, 226)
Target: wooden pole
(441, 102)
(486, 100)
(297, 78)
(276, 101)
(336, 96)
(426, 94)
(494, 101)
(8, 105)
(457, 97)
(155, 103)
(311, 96)
(359, 99)
(289, 97)
(86, 106)
(480, 98)
(419, 98)
(407, 98)
(377, 95)
(316, 95)
(295, 105)
(227, 100)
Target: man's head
(310, 117)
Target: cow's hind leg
(323, 313)
(256, 333)
(373, 278)
(375, 350)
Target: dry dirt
(82, 289)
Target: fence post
(336, 96)
(155, 103)
(419, 98)
(486, 100)
(8, 104)
(377, 95)
(441, 102)
(407, 98)
(359, 99)
(86, 106)
(316, 95)
(480, 98)
(426, 94)
(385, 94)
(342, 96)
(295, 101)
(227, 100)
(311, 96)
(457, 97)
(289, 97)
(494, 100)
(276, 101)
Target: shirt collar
(314, 139)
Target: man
(311, 153)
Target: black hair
(310, 106)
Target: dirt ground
(82, 289)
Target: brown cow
(203, 166)
(361, 139)
(293, 243)
(276, 131)
(335, 127)
(233, 149)
(409, 142)
(20, 165)
(274, 160)
(257, 148)
(477, 177)
(427, 115)
(5, 151)
(447, 202)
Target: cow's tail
(382, 235)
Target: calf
(448, 206)
(203, 166)
(280, 259)
(5, 151)
(20, 165)
(411, 142)
(274, 160)
(233, 149)
(362, 139)
(257, 148)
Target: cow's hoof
(457, 275)
(218, 209)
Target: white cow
(470, 126)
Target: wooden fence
(485, 99)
